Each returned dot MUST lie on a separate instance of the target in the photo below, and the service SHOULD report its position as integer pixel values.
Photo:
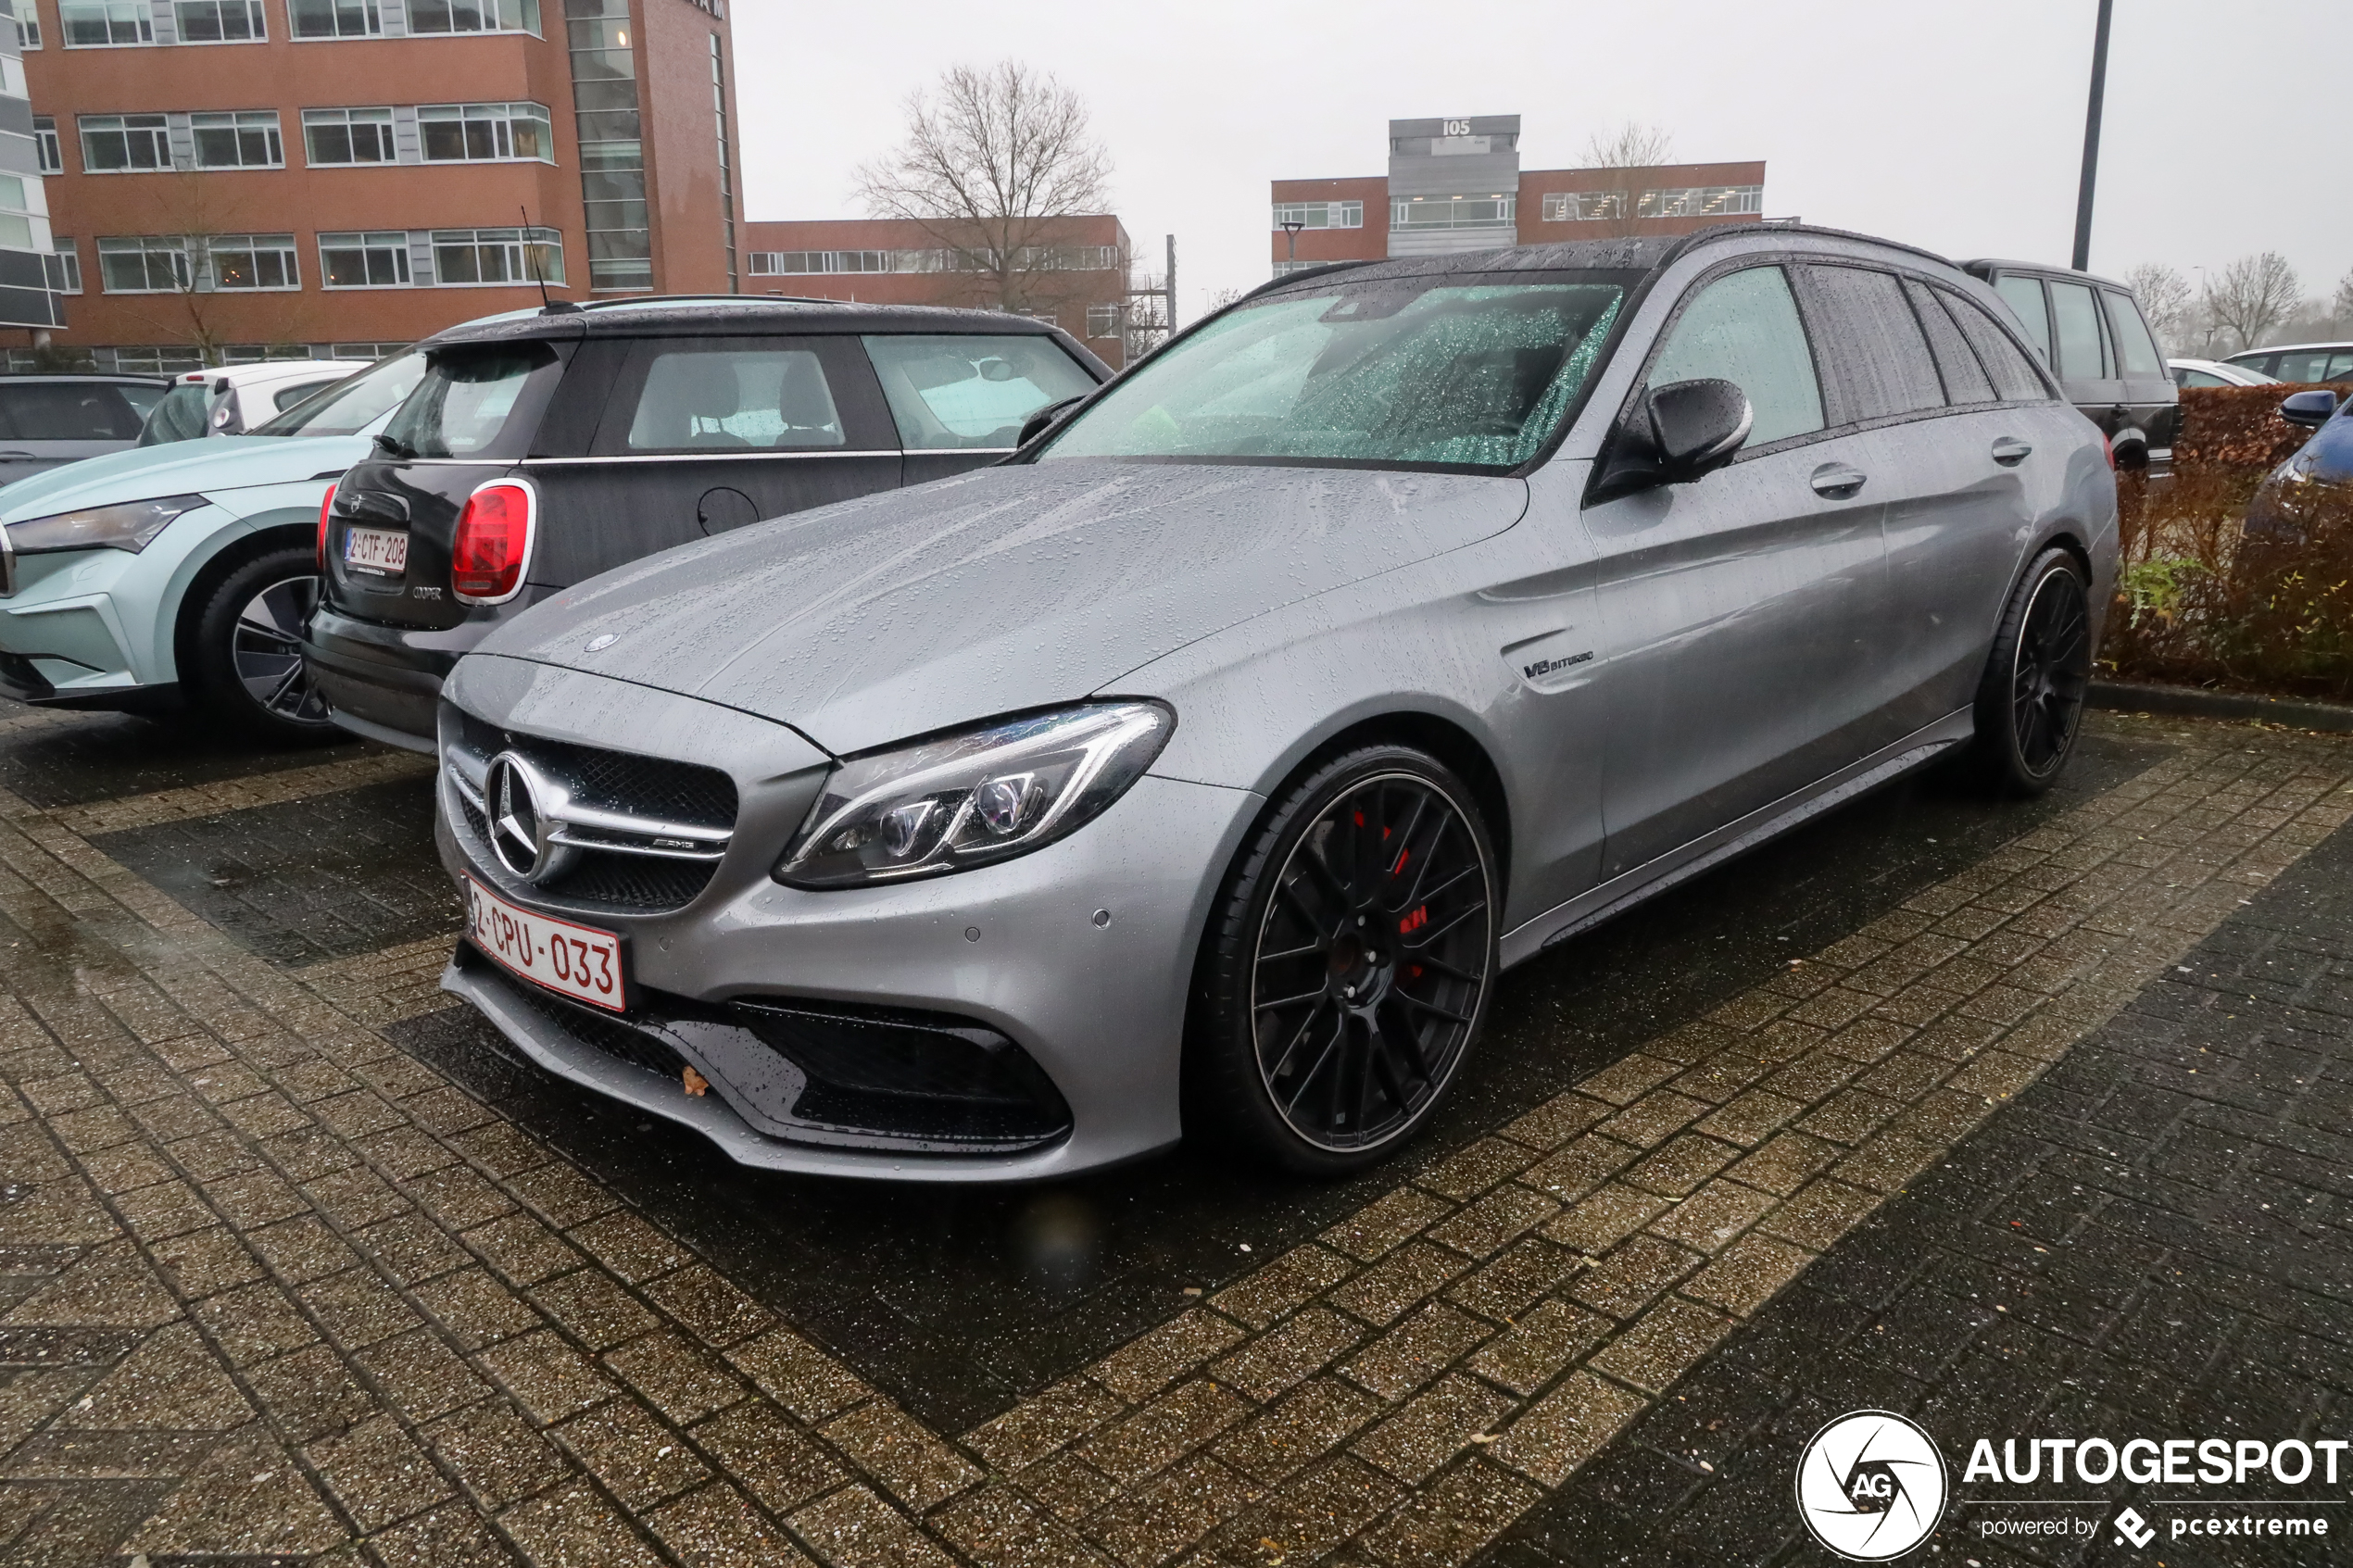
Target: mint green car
(179, 575)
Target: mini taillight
(486, 559)
(325, 507)
(2109, 447)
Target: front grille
(646, 794)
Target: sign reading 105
(1457, 127)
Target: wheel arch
(232, 552)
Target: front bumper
(1080, 955)
(64, 642)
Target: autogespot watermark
(1872, 1485)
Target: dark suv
(540, 450)
(2091, 333)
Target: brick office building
(1456, 184)
(254, 178)
(1077, 275)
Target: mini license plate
(578, 961)
(379, 550)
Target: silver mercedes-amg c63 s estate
(1209, 760)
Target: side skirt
(1622, 892)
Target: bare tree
(2253, 295)
(2168, 301)
(1626, 153)
(995, 163)
(2341, 305)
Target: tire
(2030, 705)
(1339, 991)
(241, 648)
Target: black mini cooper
(540, 450)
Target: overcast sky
(1954, 127)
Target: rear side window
(2014, 374)
(2135, 350)
(2312, 365)
(2075, 324)
(66, 411)
(1965, 379)
(466, 401)
(2024, 296)
(972, 390)
(1878, 357)
(179, 417)
(2199, 378)
(352, 404)
(763, 399)
(1744, 328)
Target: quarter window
(1965, 379)
(2136, 351)
(2075, 322)
(765, 399)
(485, 132)
(238, 141)
(122, 143)
(365, 260)
(2024, 296)
(334, 18)
(1744, 328)
(337, 136)
(1874, 340)
(2013, 373)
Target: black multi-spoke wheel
(1350, 973)
(2031, 706)
(241, 648)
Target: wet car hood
(202, 467)
(1008, 588)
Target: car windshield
(350, 406)
(464, 400)
(178, 415)
(1413, 371)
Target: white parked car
(2217, 372)
(232, 399)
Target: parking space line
(239, 793)
(385, 1311)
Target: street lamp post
(2092, 140)
(1291, 226)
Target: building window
(144, 264)
(363, 350)
(65, 265)
(1320, 215)
(336, 136)
(497, 256)
(99, 24)
(1453, 212)
(218, 21)
(485, 133)
(1284, 268)
(52, 152)
(115, 143)
(1583, 207)
(365, 261)
(474, 16)
(1701, 201)
(800, 263)
(28, 35)
(1102, 320)
(612, 161)
(334, 18)
(253, 261)
(246, 139)
(726, 165)
(16, 215)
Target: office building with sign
(1456, 184)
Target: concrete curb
(2136, 696)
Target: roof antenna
(546, 306)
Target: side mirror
(2311, 410)
(1695, 426)
(1047, 418)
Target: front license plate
(578, 961)
(379, 550)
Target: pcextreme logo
(1870, 1485)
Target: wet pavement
(295, 1268)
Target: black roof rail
(1715, 232)
(1327, 269)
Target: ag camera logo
(1870, 1485)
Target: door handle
(2009, 451)
(1838, 481)
(18, 456)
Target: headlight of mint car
(130, 526)
(963, 800)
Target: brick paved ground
(288, 1272)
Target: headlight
(966, 799)
(131, 526)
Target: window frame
(273, 135)
(867, 428)
(255, 246)
(502, 124)
(48, 145)
(142, 18)
(172, 247)
(406, 265)
(387, 139)
(524, 237)
(374, 14)
(2107, 370)
(161, 132)
(257, 16)
(1835, 388)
